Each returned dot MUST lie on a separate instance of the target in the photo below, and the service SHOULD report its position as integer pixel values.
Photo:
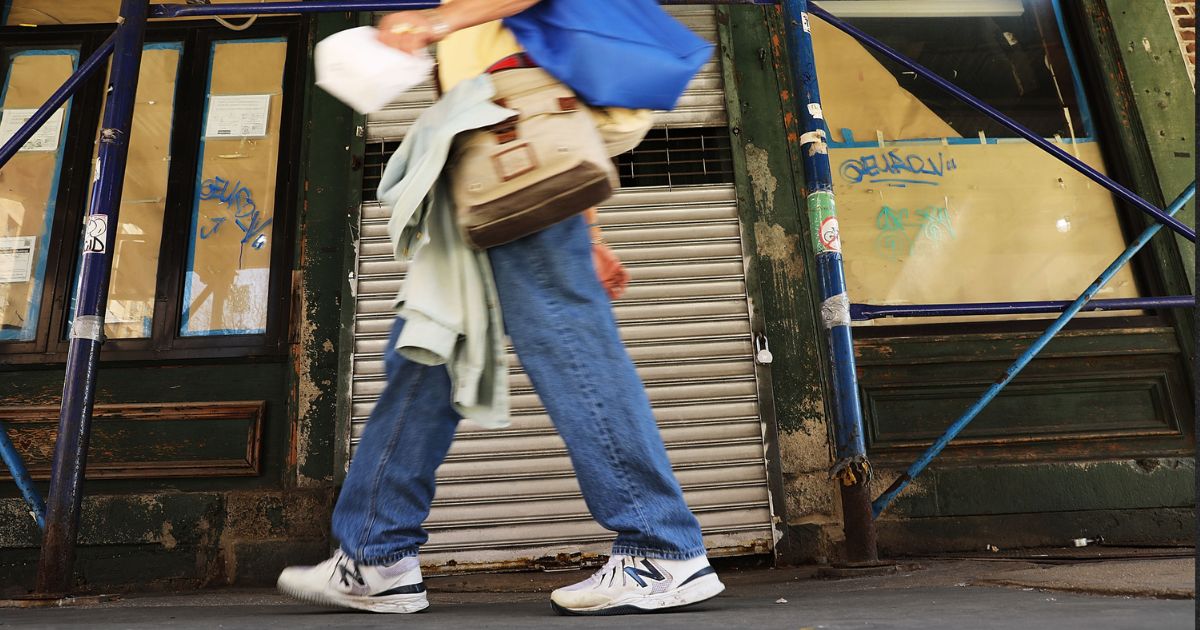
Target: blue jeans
(562, 328)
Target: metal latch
(762, 350)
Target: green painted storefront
(221, 469)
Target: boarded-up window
(229, 265)
(29, 185)
(939, 204)
(196, 270)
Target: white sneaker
(628, 584)
(342, 582)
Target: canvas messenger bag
(531, 171)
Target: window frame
(166, 341)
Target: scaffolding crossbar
(16, 467)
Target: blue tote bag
(618, 53)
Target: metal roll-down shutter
(508, 497)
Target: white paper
(365, 73)
(44, 139)
(16, 258)
(238, 116)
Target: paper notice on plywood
(16, 258)
(44, 139)
(238, 116)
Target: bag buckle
(505, 130)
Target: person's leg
(386, 496)
(561, 325)
(390, 484)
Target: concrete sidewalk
(968, 593)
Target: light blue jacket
(449, 302)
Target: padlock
(762, 350)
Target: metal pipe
(1011, 373)
(60, 97)
(276, 8)
(863, 312)
(12, 459)
(995, 114)
(87, 331)
(852, 468)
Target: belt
(512, 62)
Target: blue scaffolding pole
(852, 467)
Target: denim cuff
(382, 561)
(654, 554)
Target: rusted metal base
(858, 570)
(57, 601)
(858, 522)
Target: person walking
(553, 289)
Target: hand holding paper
(365, 73)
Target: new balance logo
(637, 574)
(351, 572)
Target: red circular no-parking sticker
(830, 238)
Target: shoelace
(610, 571)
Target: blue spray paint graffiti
(896, 169)
(894, 242)
(239, 200)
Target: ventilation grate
(668, 157)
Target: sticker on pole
(814, 109)
(95, 234)
(805, 23)
(822, 216)
(830, 238)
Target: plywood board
(228, 281)
(131, 296)
(27, 186)
(973, 223)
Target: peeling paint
(812, 498)
(758, 166)
(807, 450)
(774, 243)
(168, 539)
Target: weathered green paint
(1147, 109)
(147, 440)
(1165, 99)
(327, 215)
(123, 384)
(1030, 488)
(772, 206)
(1094, 393)
(972, 346)
(345, 405)
(1156, 526)
(176, 540)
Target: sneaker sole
(389, 604)
(699, 591)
